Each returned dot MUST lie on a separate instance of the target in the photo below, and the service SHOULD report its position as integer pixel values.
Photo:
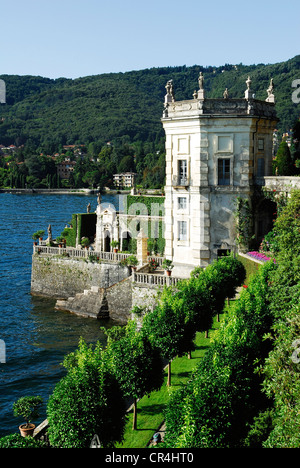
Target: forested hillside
(125, 109)
(107, 107)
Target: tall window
(182, 230)
(223, 171)
(182, 172)
(260, 167)
(181, 203)
(261, 144)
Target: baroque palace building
(216, 151)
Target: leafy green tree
(87, 401)
(136, 362)
(18, 441)
(283, 162)
(126, 164)
(168, 328)
(224, 394)
(281, 369)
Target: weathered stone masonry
(89, 289)
(62, 277)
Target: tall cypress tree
(283, 163)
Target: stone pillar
(142, 247)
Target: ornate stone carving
(169, 97)
(200, 94)
(270, 91)
(248, 92)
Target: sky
(76, 38)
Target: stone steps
(91, 303)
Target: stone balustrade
(153, 279)
(80, 253)
(283, 184)
(84, 253)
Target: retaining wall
(64, 277)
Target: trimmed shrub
(86, 402)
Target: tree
(281, 368)
(168, 328)
(87, 401)
(224, 394)
(126, 164)
(137, 364)
(283, 162)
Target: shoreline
(82, 191)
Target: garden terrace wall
(60, 278)
(251, 265)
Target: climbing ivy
(244, 217)
(279, 198)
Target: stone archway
(125, 241)
(265, 214)
(107, 241)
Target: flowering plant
(153, 264)
(259, 256)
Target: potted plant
(38, 235)
(150, 247)
(167, 265)
(132, 261)
(28, 408)
(115, 244)
(60, 240)
(153, 265)
(85, 242)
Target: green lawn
(151, 407)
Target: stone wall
(90, 289)
(144, 296)
(119, 300)
(64, 277)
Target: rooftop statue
(248, 83)
(200, 93)
(2, 92)
(270, 88)
(201, 81)
(270, 91)
(170, 90)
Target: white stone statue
(49, 233)
(2, 92)
(200, 93)
(248, 83)
(270, 91)
(248, 92)
(201, 80)
(270, 88)
(170, 92)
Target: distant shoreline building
(125, 179)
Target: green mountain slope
(127, 106)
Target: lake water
(34, 336)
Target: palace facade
(217, 150)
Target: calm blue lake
(36, 336)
